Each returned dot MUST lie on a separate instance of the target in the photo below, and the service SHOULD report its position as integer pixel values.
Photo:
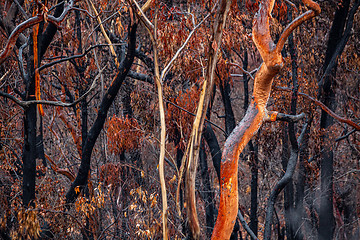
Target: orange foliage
(178, 119)
(123, 134)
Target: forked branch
(256, 113)
(29, 23)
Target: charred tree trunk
(327, 96)
(208, 194)
(289, 189)
(214, 147)
(229, 113)
(82, 176)
(29, 148)
(32, 134)
(299, 213)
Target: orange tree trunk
(256, 113)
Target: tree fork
(256, 113)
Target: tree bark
(30, 151)
(208, 194)
(192, 151)
(327, 95)
(82, 176)
(214, 147)
(229, 113)
(254, 117)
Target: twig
(345, 136)
(243, 70)
(169, 65)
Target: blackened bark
(326, 215)
(40, 154)
(288, 190)
(254, 187)
(284, 180)
(229, 114)
(29, 150)
(84, 123)
(290, 130)
(82, 176)
(214, 147)
(208, 193)
(49, 33)
(327, 96)
(299, 213)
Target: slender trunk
(94, 132)
(327, 95)
(300, 188)
(208, 193)
(29, 153)
(30, 114)
(229, 114)
(214, 147)
(288, 190)
(30, 128)
(192, 152)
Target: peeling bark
(256, 113)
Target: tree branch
(26, 104)
(83, 172)
(246, 226)
(273, 116)
(324, 107)
(280, 185)
(315, 10)
(71, 57)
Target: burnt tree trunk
(208, 194)
(83, 172)
(30, 152)
(327, 96)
